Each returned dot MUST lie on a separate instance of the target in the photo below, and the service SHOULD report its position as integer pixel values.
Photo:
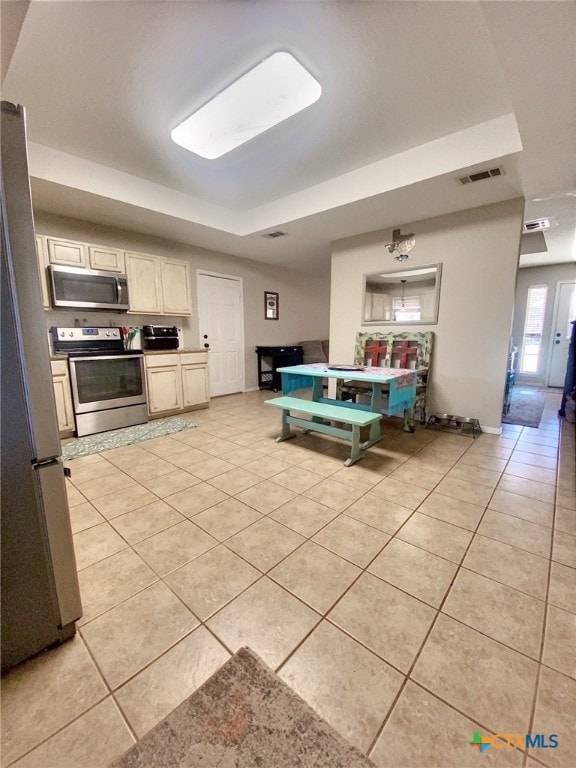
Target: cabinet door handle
(206, 346)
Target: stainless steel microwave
(77, 288)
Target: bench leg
(355, 452)
(285, 434)
(376, 407)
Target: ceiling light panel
(268, 94)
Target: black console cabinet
(274, 358)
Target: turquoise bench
(321, 414)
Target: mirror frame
(400, 270)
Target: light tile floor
(421, 595)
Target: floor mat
(243, 716)
(526, 407)
(104, 441)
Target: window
(407, 308)
(533, 324)
(571, 315)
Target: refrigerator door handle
(60, 541)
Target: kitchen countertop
(64, 355)
(178, 351)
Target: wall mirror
(408, 296)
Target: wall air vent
(537, 225)
(272, 235)
(480, 175)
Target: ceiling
(415, 95)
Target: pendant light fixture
(403, 287)
(402, 244)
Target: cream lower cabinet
(63, 396)
(164, 383)
(176, 382)
(194, 380)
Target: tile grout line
(309, 538)
(545, 622)
(363, 571)
(160, 577)
(430, 629)
(425, 639)
(325, 617)
(109, 695)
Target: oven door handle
(73, 359)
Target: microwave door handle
(118, 291)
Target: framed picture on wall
(271, 305)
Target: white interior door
(221, 318)
(564, 313)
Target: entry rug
(526, 407)
(104, 441)
(243, 716)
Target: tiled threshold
(420, 596)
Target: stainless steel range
(108, 384)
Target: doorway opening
(543, 353)
(221, 324)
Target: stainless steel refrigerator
(39, 583)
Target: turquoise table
(401, 382)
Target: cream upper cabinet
(156, 285)
(67, 252)
(176, 288)
(42, 254)
(108, 259)
(144, 283)
(62, 395)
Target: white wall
(478, 250)
(549, 276)
(304, 300)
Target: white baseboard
(491, 430)
(252, 389)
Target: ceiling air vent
(480, 175)
(537, 225)
(272, 235)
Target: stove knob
(62, 334)
(107, 333)
(70, 333)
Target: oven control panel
(75, 334)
